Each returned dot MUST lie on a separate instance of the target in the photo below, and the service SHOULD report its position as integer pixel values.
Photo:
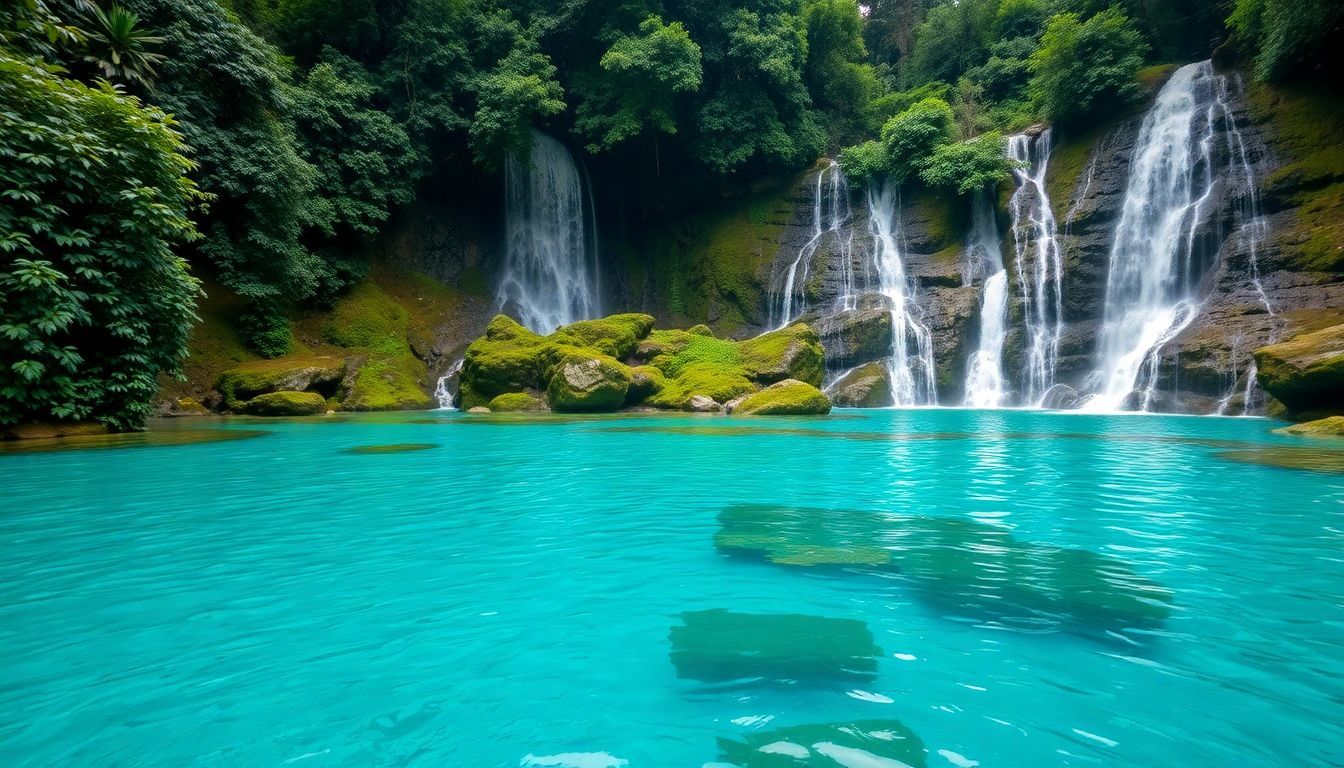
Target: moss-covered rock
(645, 382)
(515, 402)
(387, 383)
(296, 374)
(286, 404)
(1306, 372)
(187, 406)
(789, 397)
(583, 381)
(789, 353)
(615, 336)
(859, 743)
(1331, 426)
(367, 318)
(509, 358)
(719, 646)
(701, 330)
(868, 386)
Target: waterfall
(984, 369)
(442, 393)
(550, 273)
(911, 361)
(1039, 263)
(830, 216)
(1154, 268)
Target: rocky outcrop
(868, 386)
(785, 398)
(1305, 373)
(286, 404)
(855, 336)
(249, 380)
(622, 362)
(1330, 426)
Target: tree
(913, 135)
(1289, 37)
(641, 77)
(1083, 67)
(519, 89)
(118, 46)
(94, 304)
(953, 38)
(836, 73)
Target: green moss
(645, 382)
(787, 398)
(1331, 426)
(509, 358)
(701, 330)
(286, 404)
(1305, 372)
(368, 318)
(583, 381)
(516, 402)
(213, 347)
(388, 383)
(942, 217)
(1153, 77)
(790, 353)
(257, 377)
(614, 336)
(1069, 160)
(1306, 127)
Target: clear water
(504, 596)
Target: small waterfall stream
(985, 386)
(911, 362)
(1039, 263)
(550, 274)
(1154, 268)
(830, 216)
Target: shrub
(1082, 66)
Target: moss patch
(1305, 372)
(1331, 426)
(514, 402)
(787, 398)
(286, 404)
(247, 381)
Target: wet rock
(786, 398)
(868, 386)
(1331, 426)
(478, 409)
(853, 337)
(1307, 372)
(720, 646)
(789, 353)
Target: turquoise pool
(930, 587)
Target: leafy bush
(1289, 37)
(1082, 67)
(911, 136)
(94, 305)
(968, 166)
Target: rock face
(244, 383)
(622, 362)
(786, 398)
(286, 404)
(1305, 373)
(855, 336)
(868, 386)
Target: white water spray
(1153, 275)
(830, 217)
(985, 386)
(442, 394)
(550, 274)
(911, 362)
(1039, 263)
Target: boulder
(853, 337)
(509, 358)
(703, 404)
(515, 402)
(1306, 372)
(588, 382)
(645, 381)
(286, 404)
(478, 409)
(788, 353)
(286, 374)
(786, 398)
(1331, 426)
(616, 336)
(868, 386)
(186, 406)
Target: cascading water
(550, 273)
(1039, 263)
(985, 387)
(442, 392)
(1154, 268)
(830, 217)
(911, 362)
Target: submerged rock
(719, 646)
(789, 397)
(286, 404)
(868, 386)
(1331, 426)
(959, 565)
(878, 743)
(1306, 372)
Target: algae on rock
(721, 646)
